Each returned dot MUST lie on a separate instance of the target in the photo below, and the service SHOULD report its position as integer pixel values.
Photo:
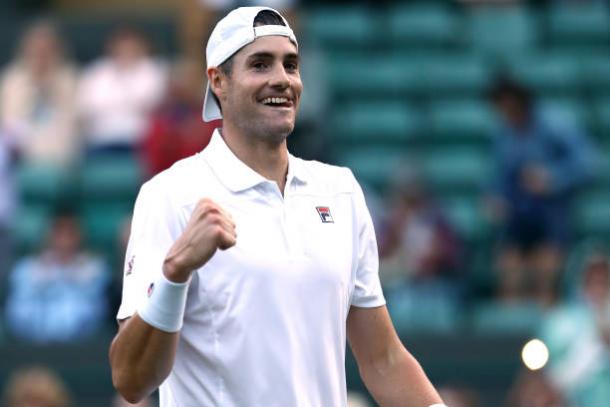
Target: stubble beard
(261, 129)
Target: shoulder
(13, 76)
(11, 72)
(328, 178)
(91, 266)
(180, 184)
(24, 268)
(97, 67)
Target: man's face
(262, 94)
(512, 110)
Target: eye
(291, 66)
(259, 65)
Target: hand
(536, 180)
(209, 228)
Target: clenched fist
(209, 228)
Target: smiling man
(264, 320)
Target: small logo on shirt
(150, 290)
(324, 212)
(129, 268)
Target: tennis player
(247, 268)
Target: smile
(277, 102)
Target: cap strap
(265, 30)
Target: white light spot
(535, 354)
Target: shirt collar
(235, 174)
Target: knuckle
(218, 232)
(214, 218)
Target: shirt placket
(294, 236)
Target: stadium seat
(602, 116)
(351, 75)
(592, 214)
(87, 34)
(453, 170)
(502, 31)
(549, 74)
(460, 121)
(329, 27)
(102, 223)
(40, 184)
(111, 178)
(11, 26)
(465, 215)
(423, 26)
(582, 23)
(595, 68)
(372, 165)
(424, 308)
(375, 123)
(29, 228)
(499, 319)
(452, 74)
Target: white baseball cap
(232, 33)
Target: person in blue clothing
(540, 167)
(58, 294)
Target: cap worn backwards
(232, 33)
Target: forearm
(399, 380)
(141, 357)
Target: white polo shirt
(265, 321)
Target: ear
(217, 80)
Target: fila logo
(324, 212)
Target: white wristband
(438, 405)
(165, 306)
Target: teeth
(274, 100)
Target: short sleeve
(154, 228)
(367, 291)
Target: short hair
(264, 17)
(505, 85)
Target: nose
(279, 78)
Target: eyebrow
(268, 55)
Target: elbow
(125, 381)
(129, 391)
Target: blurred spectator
(7, 205)
(60, 294)
(118, 92)
(176, 129)
(37, 93)
(533, 389)
(419, 258)
(578, 337)
(35, 387)
(539, 168)
(416, 240)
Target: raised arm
(389, 371)
(142, 353)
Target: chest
(298, 243)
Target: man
(540, 166)
(59, 294)
(263, 321)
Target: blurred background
(480, 131)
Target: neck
(269, 158)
